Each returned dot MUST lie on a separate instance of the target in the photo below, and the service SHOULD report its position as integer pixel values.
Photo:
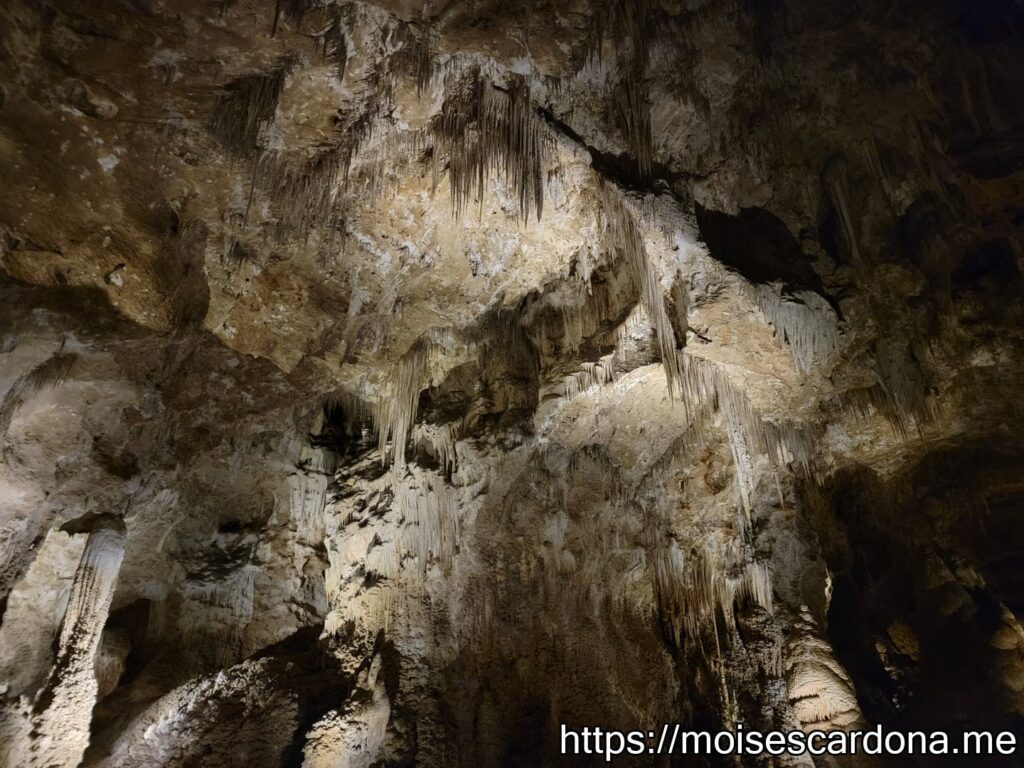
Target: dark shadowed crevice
(759, 246)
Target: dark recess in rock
(759, 246)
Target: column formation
(62, 711)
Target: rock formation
(390, 383)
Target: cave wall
(447, 372)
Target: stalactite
(233, 592)
(562, 321)
(631, 338)
(303, 190)
(332, 38)
(802, 319)
(413, 55)
(687, 444)
(432, 521)
(50, 373)
(679, 307)
(484, 130)
(244, 108)
(837, 184)
(396, 414)
(439, 442)
(512, 139)
(703, 381)
(294, 10)
(743, 461)
(216, 612)
(627, 23)
(902, 378)
(381, 168)
(356, 407)
(591, 376)
(864, 401)
(757, 585)
(623, 234)
(309, 488)
(695, 594)
(407, 51)
(306, 190)
(631, 106)
(869, 150)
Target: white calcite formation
(60, 714)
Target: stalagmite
(111, 655)
(354, 736)
(62, 710)
(1008, 644)
(820, 690)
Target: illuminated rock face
(62, 710)
(390, 383)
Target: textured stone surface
(457, 370)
